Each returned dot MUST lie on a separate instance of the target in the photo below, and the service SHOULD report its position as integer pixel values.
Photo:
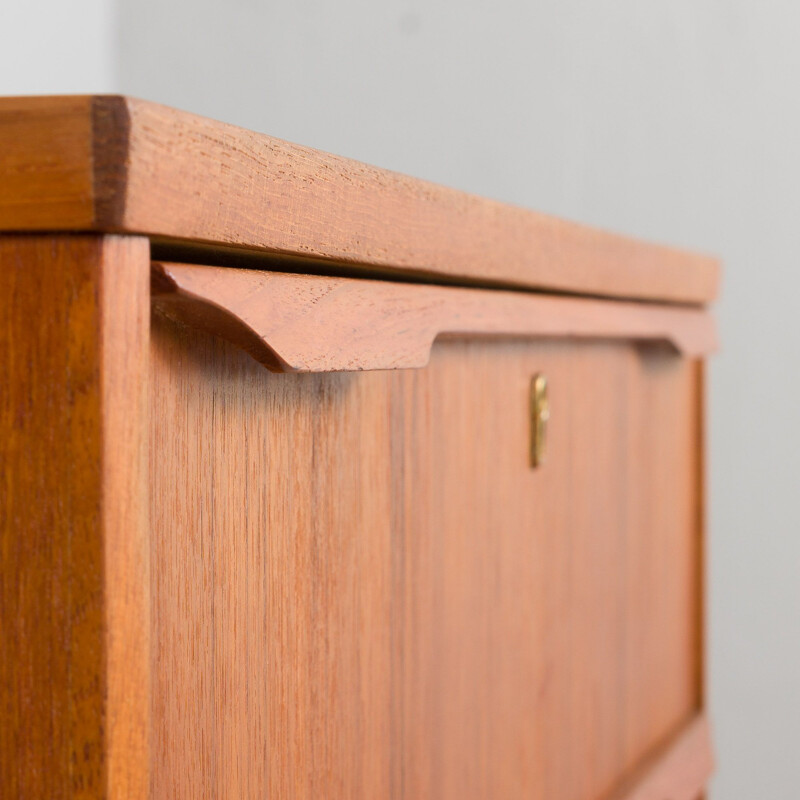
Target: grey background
(675, 121)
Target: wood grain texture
(124, 165)
(311, 323)
(677, 771)
(74, 581)
(63, 163)
(362, 590)
(45, 163)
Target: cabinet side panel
(60, 510)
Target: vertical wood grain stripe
(124, 348)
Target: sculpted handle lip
(313, 323)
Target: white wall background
(51, 47)
(676, 121)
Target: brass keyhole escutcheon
(540, 416)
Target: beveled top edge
(109, 163)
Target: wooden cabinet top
(115, 164)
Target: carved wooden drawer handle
(312, 323)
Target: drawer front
(362, 589)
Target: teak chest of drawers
(323, 482)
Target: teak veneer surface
(74, 579)
(116, 164)
(362, 590)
